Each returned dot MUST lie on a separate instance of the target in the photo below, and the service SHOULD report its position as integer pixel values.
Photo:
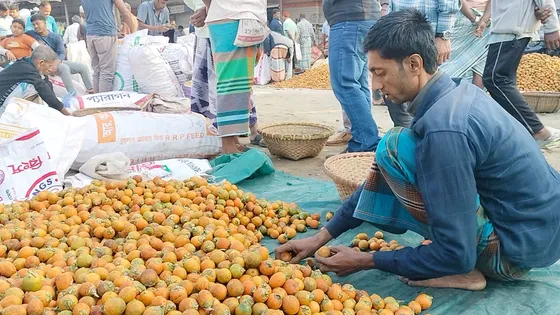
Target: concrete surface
(320, 106)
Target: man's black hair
(401, 34)
(20, 22)
(3, 7)
(14, 6)
(274, 11)
(38, 17)
(44, 4)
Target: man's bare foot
(230, 145)
(472, 281)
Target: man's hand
(197, 19)
(301, 249)
(552, 40)
(345, 261)
(480, 28)
(10, 56)
(64, 111)
(304, 248)
(444, 49)
(162, 28)
(543, 14)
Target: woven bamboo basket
(91, 111)
(543, 102)
(348, 171)
(296, 141)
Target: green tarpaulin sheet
(539, 294)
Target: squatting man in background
(467, 176)
(33, 71)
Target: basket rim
(328, 131)
(541, 93)
(345, 156)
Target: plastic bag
(262, 71)
(108, 99)
(298, 51)
(177, 56)
(145, 137)
(60, 89)
(78, 52)
(178, 169)
(63, 135)
(124, 78)
(152, 72)
(26, 167)
(250, 33)
(173, 169)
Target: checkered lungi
(392, 201)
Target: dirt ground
(320, 106)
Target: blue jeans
(349, 80)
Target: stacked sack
(149, 64)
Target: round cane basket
(543, 102)
(97, 110)
(348, 171)
(296, 141)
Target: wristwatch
(446, 35)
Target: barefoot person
(466, 175)
(234, 66)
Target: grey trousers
(103, 52)
(67, 68)
(398, 114)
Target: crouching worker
(31, 71)
(466, 175)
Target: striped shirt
(440, 13)
(305, 29)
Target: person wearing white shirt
(5, 21)
(71, 33)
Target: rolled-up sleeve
(445, 163)
(447, 12)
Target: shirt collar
(419, 99)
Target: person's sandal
(258, 140)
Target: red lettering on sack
(33, 164)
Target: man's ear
(415, 64)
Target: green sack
(237, 167)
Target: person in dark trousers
(275, 24)
(33, 71)
(508, 39)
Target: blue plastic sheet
(538, 294)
